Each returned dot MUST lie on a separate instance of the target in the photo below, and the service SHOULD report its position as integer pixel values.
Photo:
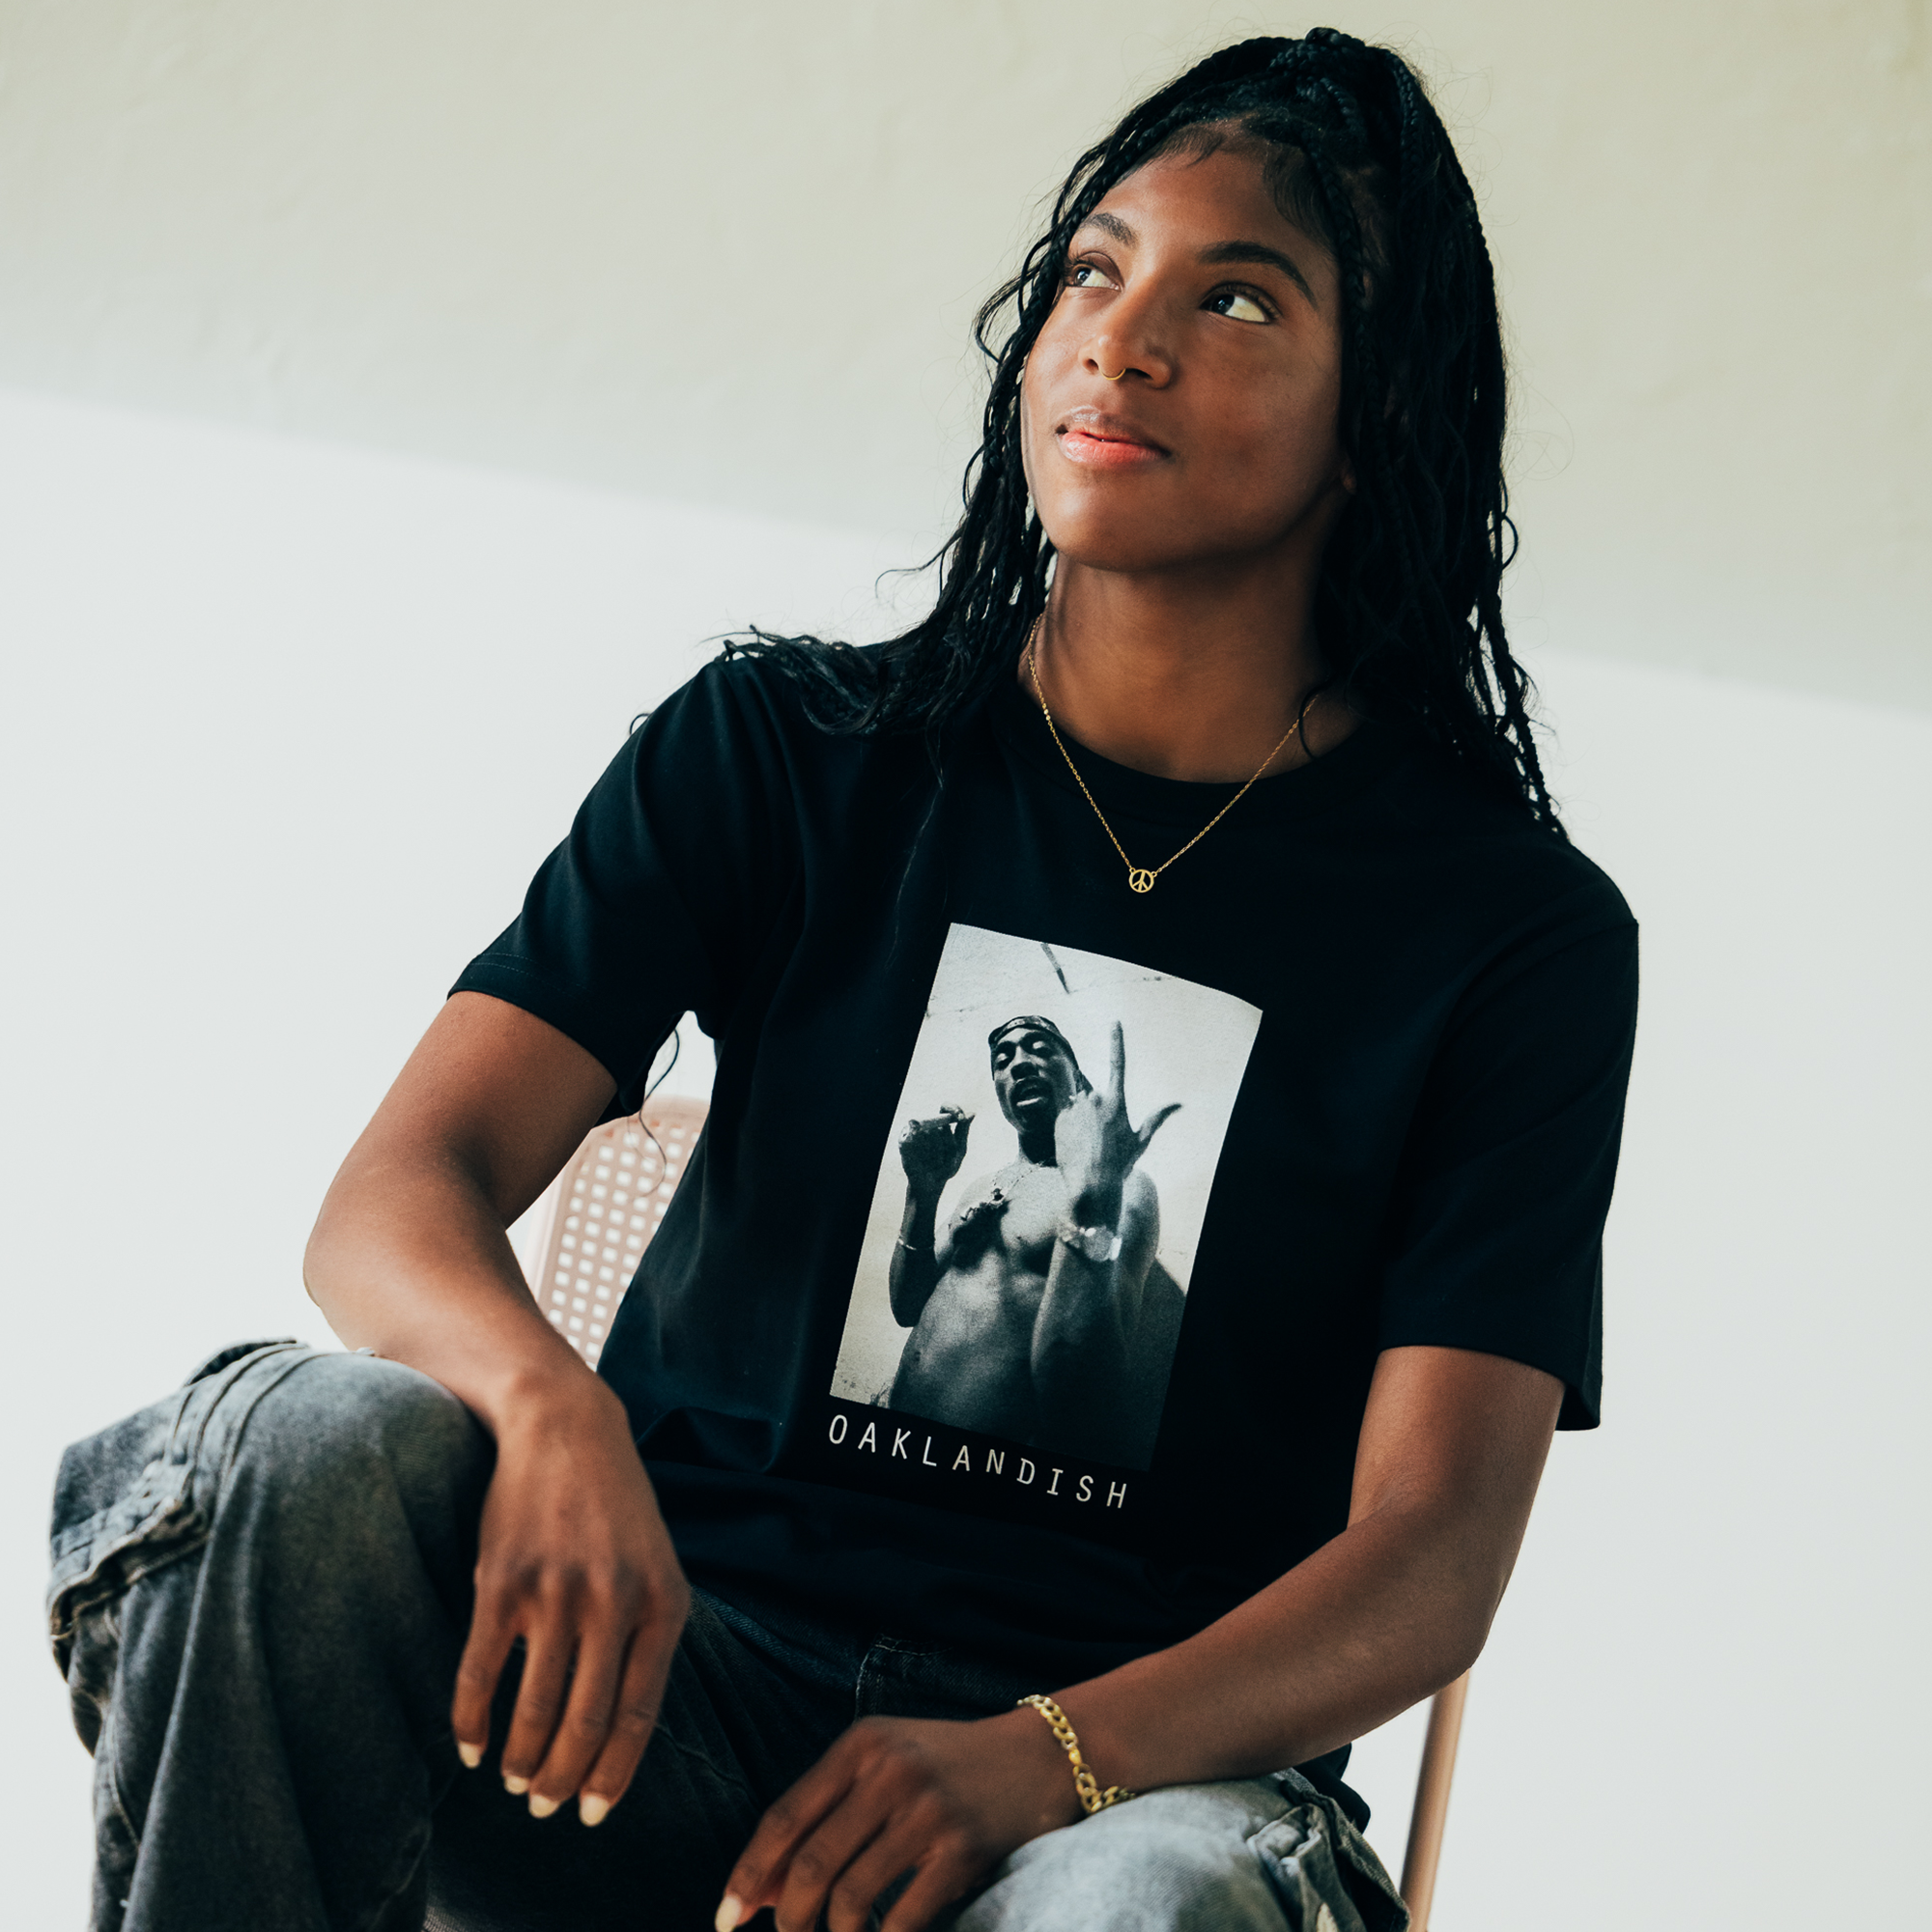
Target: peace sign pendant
(1140, 878)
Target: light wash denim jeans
(260, 1591)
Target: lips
(1108, 453)
(1101, 440)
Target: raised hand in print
(1096, 1146)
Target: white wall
(285, 730)
(729, 252)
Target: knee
(1172, 1861)
(342, 1443)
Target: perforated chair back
(597, 1216)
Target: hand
(931, 1152)
(1096, 1146)
(952, 1799)
(576, 1560)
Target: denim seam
(109, 1744)
(376, 1912)
(232, 1447)
(735, 1780)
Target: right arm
(915, 1269)
(410, 1258)
(931, 1152)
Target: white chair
(593, 1220)
(592, 1225)
(1432, 1801)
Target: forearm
(1395, 1607)
(1451, 1449)
(915, 1265)
(410, 1258)
(1080, 1333)
(1083, 1335)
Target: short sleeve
(667, 885)
(1497, 1234)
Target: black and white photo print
(1026, 1262)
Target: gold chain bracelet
(1092, 1797)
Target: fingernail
(516, 1786)
(728, 1915)
(540, 1806)
(592, 1809)
(470, 1754)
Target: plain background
(289, 721)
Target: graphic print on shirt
(1027, 1257)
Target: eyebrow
(1262, 254)
(1256, 252)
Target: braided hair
(1407, 607)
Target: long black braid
(1408, 611)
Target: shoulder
(794, 681)
(738, 729)
(784, 707)
(1477, 860)
(740, 688)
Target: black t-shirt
(877, 1363)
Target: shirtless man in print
(1028, 1311)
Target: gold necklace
(1140, 878)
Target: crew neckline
(1366, 755)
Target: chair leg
(1432, 1801)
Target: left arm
(1084, 1331)
(1082, 1337)
(1451, 1450)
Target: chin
(1139, 540)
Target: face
(1033, 1076)
(1221, 437)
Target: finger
(1116, 1064)
(939, 1880)
(1154, 1123)
(639, 1698)
(824, 1857)
(897, 1849)
(476, 1674)
(759, 1873)
(586, 1721)
(539, 1705)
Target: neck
(1192, 674)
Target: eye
(1088, 276)
(1239, 305)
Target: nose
(1126, 342)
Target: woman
(1212, 1424)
